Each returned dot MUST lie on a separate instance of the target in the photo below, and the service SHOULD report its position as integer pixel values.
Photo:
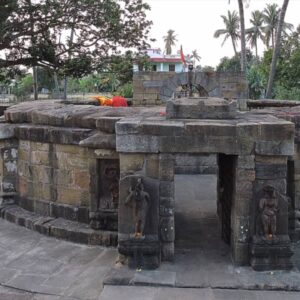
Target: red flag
(182, 56)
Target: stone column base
(141, 252)
(272, 254)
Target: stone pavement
(41, 268)
(35, 267)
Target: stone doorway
(203, 201)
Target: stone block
(137, 143)
(106, 153)
(72, 196)
(40, 146)
(281, 147)
(268, 171)
(40, 158)
(167, 251)
(23, 187)
(42, 207)
(246, 162)
(71, 149)
(166, 207)
(242, 204)
(41, 173)
(24, 169)
(7, 131)
(66, 161)
(81, 179)
(281, 131)
(131, 162)
(241, 229)
(245, 175)
(271, 160)
(166, 189)
(240, 254)
(167, 229)
(24, 155)
(152, 166)
(200, 108)
(244, 188)
(107, 124)
(62, 177)
(24, 145)
(195, 144)
(193, 160)
(166, 167)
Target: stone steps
(58, 227)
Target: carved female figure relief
(268, 207)
(141, 201)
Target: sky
(195, 21)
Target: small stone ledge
(58, 227)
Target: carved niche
(105, 215)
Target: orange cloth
(118, 101)
(115, 101)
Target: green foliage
(24, 87)
(232, 25)
(227, 64)
(233, 64)
(170, 40)
(125, 90)
(207, 69)
(284, 93)
(33, 33)
(256, 81)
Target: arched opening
(184, 91)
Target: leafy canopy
(70, 35)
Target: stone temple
(105, 176)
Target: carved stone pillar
(270, 246)
(139, 215)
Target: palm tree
(169, 40)
(276, 51)
(256, 31)
(270, 16)
(231, 29)
(195, 56)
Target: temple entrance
(203, 212)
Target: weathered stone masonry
(60, 164)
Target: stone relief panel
(139, 199)
(109, 174)
(139, 208)
(106, 214)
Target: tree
(271, 18)
(256, 31)
(242, 35)
(195, 56)
(231, 29)
(276, 51)
(270, 15)
(170, 40)
(100, 27)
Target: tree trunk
(35, 83)
(66, 79)
(276, 50)
(234, 48)
(243, 40)
(256, 51)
